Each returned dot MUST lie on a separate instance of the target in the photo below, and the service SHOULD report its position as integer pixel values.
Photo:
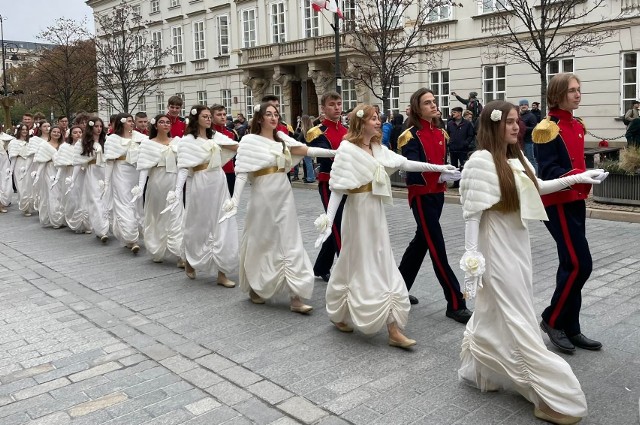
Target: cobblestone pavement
(90, 334)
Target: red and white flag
(330, 5)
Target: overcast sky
(26, 18)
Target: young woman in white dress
(209, 246)
(121, 153)
(50, 208)
(21, 152)
(157, 161)
(75, 215)
(366, 289)
(272, 258)
(502, 345)
(6, 188)
(88, 175)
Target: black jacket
(460, 135)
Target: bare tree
(539, 32)
(130, 65)
(386, 36)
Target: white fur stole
(154, 154)
(64, 155)
(18, 148)
(256, 152)
(116, 146)
(45, 153)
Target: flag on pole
(330, 5)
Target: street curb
(595, 213)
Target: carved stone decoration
(258, 85)
(322, 80)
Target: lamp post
(6, 101)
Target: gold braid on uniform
(314, 133)
(545, 131)
(445, 134)
(581, 121)
(404, 138)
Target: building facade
(235, 52)
(25, 51)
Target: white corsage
(123, 120)
(136, 190)
(256, 108)
(68, 181)
(194, 111)
(322, 223)
(33, 174)
(101, 184)
(171, 197)
(91, 123)
(496, 115)
(473, 265)
(360, 113)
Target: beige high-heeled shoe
(189, 271)
(556, 418)
(255, 298)
(342, 327)
(224, 281)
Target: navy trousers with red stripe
(567, 226)
(330, 247)
(427, 210)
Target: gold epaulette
(404, 138)
(545, 131)
(581, 121)
(290, 129)
(314, 133)
(446, 135)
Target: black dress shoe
(413, 300)
(558, 338)
(462, 315)
(324, 277)
(582, 341)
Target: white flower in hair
(186, 121)
(153, 121)
(360, 113)
(37, 125)
(91, 123)
(194, 111)
(31, 132)
(256, 108)
(123, 120)
(496, 115)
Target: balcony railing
(630, 5)
(292, 50)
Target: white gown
(366, 287)
(6, 188)
(502, 345)
(51, 208)
(75, 215)
(272, 257)
(91, 200)
(162, 232)
(22, 154)
(209, 246)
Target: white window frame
(174, 3)
(278, 22)
(136, 10)
(201, 97)
(440, 85)
(394, 97)
(248, 101)
(142, 104)
(110, 106)
(183, 111)
(155, 6)
(138, 43)
(177, 44)
(629, 80)
(199, 35)
(350, 13)
(440, 13)
(490, 6)
(562, 64)
(492, 92)
(310, 21)
(276, 90)
(349, 94)
(225, 97)
(160, 106)
(156, 40)
(249, 27)
(223, 34)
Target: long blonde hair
(491, 138)
(356, 125)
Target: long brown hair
(258, 117)
(491, 138)
(558, 88)
(356, 125)
(414, 105)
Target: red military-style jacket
(177, 126)
(428, 144)
(562, 155)
(228, 168)
(327, 135)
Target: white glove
(23, 172)
(138, 189)
(453, 176)
(69, 182)
(230, 206)
(8, 173)
(104, 187)
(472, 262)
(174, 197)
(54, 179)
(588, 177)
(320, 152)
(324, 222)
(35, 176)
(419, 166)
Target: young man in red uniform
(218, 123)
(142, 123)
(559, 146)
(328, 135)
(174, 106)
(424, 141)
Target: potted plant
(623, 184)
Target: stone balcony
(291, 52)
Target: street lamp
(6, 101)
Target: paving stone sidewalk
(90, 334)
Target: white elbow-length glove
(230, 206)
(472, 262)
(324, 222)
(588, 177)
(137, 190)
(23, 170)
(9, 171)
(54, 179)
(104, 184)
(419, 166)
(36, 174)
(71, 181)
(320, 152)
(174, 197)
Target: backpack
(476, 108)
(626, 121)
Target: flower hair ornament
(256, 108)
(194, 111)
(152, 121)
(360, 113)
(496, 115)
(123, 120)
(31, 132)
(91, 123)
